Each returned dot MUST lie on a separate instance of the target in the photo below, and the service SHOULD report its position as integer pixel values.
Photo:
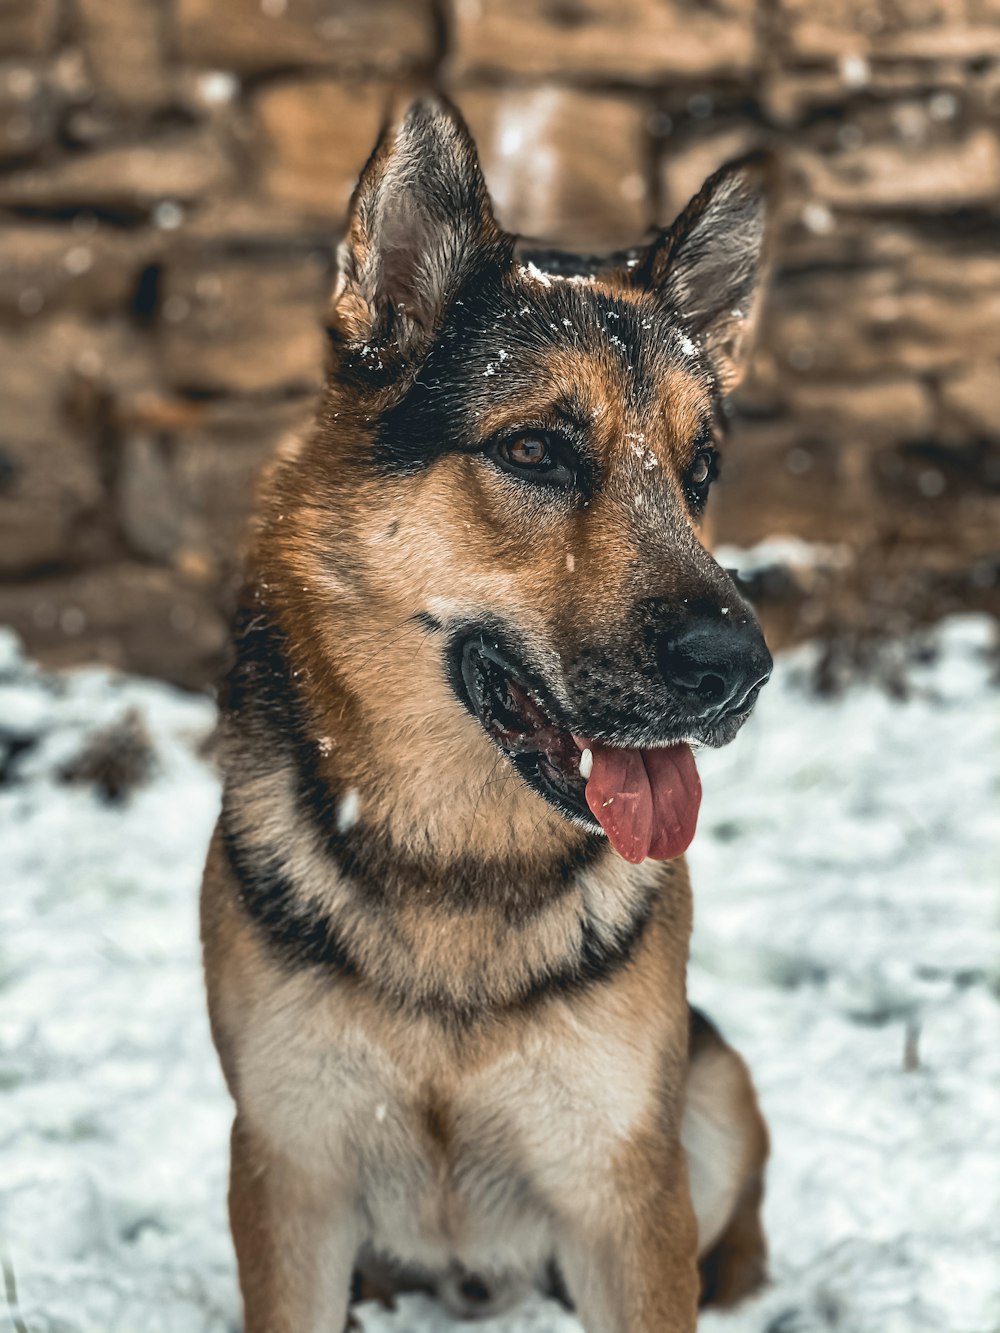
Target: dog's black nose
(716, 665)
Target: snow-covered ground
(846, 878)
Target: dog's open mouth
(645, 800)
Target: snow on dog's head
(510, 467)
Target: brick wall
(173, 174)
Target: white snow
(855, 70)
(217, 86)
(348, 810)
(792, 551)
(536, 274)
(845, 876)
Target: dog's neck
(467, 925)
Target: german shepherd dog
(445, 912)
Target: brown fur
(454, 1022)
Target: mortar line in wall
(443, 29)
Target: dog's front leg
(630, 1259)
(296, 1239)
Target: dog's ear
(710, 263)
(420, 223)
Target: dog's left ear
(710, 263)
(420, 223)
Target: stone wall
(173, 174)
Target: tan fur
(334, 1095)
(428, 1081)
(577, 1104)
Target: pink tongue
(645, 800)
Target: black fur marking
(565, 264)
(491, 347)
(261, 694)
(302, 935)
(305, 936)
(599, 959)
(258, 692)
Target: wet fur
(454, 1022)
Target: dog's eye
(528, 451)
(704, 470)
(536, 455)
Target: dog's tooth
(586, 764)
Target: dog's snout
(715, 665)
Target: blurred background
(174, 175)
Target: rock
(240, 324)
(148, 506)
(779, 479)
(28, 27)
(815, 30)
(46, 366)
(638, 40)
(880, 320)
(50, 492)
(896, 408)
(93, 269)
(563, 166)
(124, 45)
(813, 233)
(129, 616)
(973, 398)
(216, 482)
(350, 36)
(59, 379)
(185, 492)
(175, 175)
(939, 496)
(791, 97)
(36, 371)
(178, 167)
(248, 220)
(906, 167)
(27, 111)
(115, 761)
(316, 135)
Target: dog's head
(503, 493)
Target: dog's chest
(452, 1158)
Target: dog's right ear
(420, 223)
(709, 265)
